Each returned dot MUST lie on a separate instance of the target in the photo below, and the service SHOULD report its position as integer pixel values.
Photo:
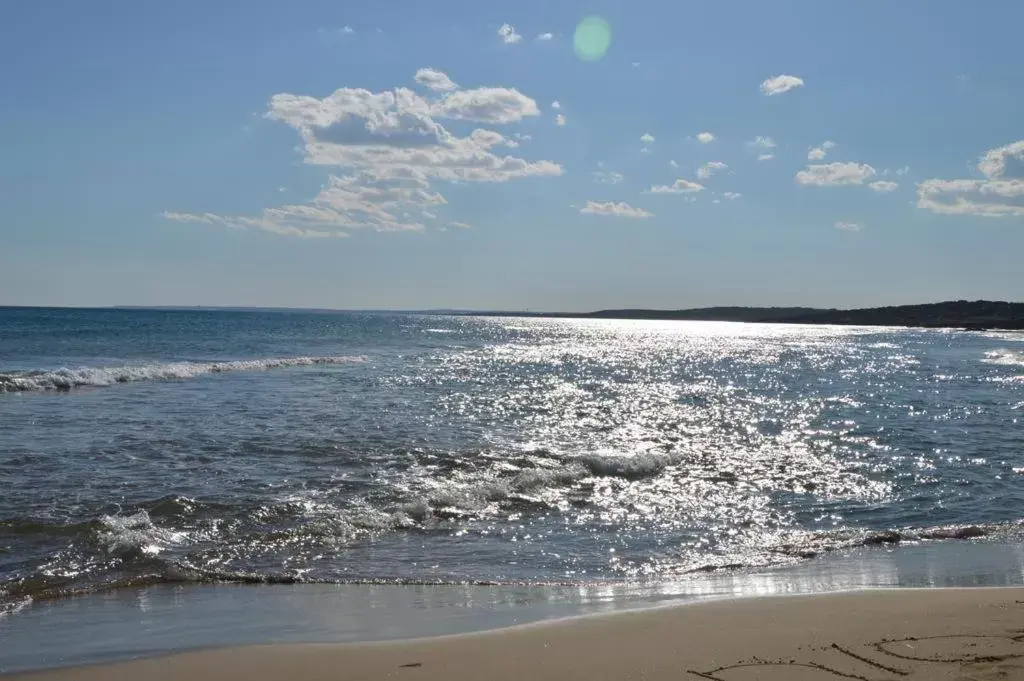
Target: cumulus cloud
(556, 104)
(710, 168)
(559, 120)
(545, 36)
(508, 34)
(761, 142)
(780, 84)
(486, 105)
(994, 162)
(647, 138)
(621, 209)
(835, 174)
(705, 138)
(1000, 194)
(818, 153)
(884, 186)
(606, 177)
(732, 196)
(435, 80)
(680, 186)
(848, 226)
(394, 147)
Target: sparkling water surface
(141, 447)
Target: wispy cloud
(705, 138)
(781, 83)
(680, 186)
(606, 177)
(556, 104)
(884, 186)
(435, 80)
(460, 225)
(849, 226)
(710, 168)
(762, 142)
(673, 164)
(765, 157)
(732, 196)
(835, 174)
(508, 34)
(545, 36)
(621, 209)
(559, 120)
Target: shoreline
(882, 634)
(126, 624)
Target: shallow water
(141, 447)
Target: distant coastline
(961, 314)
(958, 314)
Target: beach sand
(975, 633)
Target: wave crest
(64, 379)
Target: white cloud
(993, 163)
(680, 186)
(818, 153)
(348, 29)
(834, 174)
(647, 138)
(435, 80)
(903, 171)
(761, 142)
(986, 198)
(673, 164)
(606, 177)
(522, 137)
(486, 105)
(705, 138)
(560, 120)
(556, 104)
(460, 225)
(508, 34)
(710, 168)
(545, 36)
(884, 186)
(765, 157)
(848, 226)
(282, 189)
(716, 201)
(732, 196)
(995, 196)
(621, 209)
(780, 84)
(393, 149)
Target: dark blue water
(142, 447)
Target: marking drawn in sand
(962, 656)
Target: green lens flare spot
(592, 38)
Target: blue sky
(411, 154)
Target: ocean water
(150, 447)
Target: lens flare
(592, 38)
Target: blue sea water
(152, 446)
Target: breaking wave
(1005, 357)
(64, 379)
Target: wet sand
(876, 635)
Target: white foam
(67, 379)
(127, 533)
(1005, 357)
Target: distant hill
(978, 314)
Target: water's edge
(156, 620)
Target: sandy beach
(877, 635)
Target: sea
(192, 449)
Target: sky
(522, 156)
